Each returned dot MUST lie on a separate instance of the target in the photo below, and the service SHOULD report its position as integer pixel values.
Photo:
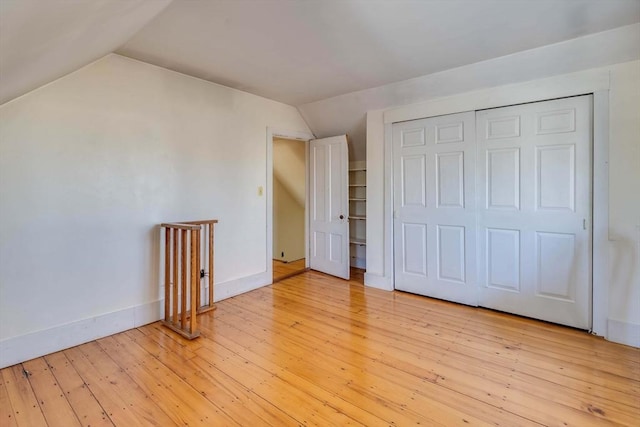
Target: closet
(493, 208)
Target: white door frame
(302, 137)
(581, 83)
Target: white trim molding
(29, 346)
(377, 281)
(623, 332)
(35, 344)
(286, 134)
(580, 83)
(600, 229)
(234, 287)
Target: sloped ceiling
(42, 40)
(347, 113)
(303, 51)
(295, 51)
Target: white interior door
(329, 206)
(434, 207)
(534, 210)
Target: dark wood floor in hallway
(315, 350)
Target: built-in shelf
(360, 242)
(357, 215)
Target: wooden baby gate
(185, 255)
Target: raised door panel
(500, 127)
(503, 179)
(319, 244)
(336, 245)
(414, 180)
(413, 137)
(414, 249)
(449, 132)
(548, 122)
(503, 259)
(555, 265)
(555, 177)
(451, 253)
(318, 183)
(337, 182)
(450, 179)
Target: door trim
(585, 83)
(299, 136)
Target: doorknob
(341, 216)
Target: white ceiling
(294, 51)
(303, 51)
(42, 40)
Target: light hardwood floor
(314, 350)
(282, 270)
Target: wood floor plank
(52, 401)
(301, 402)
(7, 416)
(125, 402)
(233, 398)
(169, 338)
(83, 402)
(188, 407)
(283, 269)
(24, 403)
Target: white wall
(288, 224)
(90, 164)
(289, 166)
(624, 199)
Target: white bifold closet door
(434, 207)
(534, 210)
(493, 208)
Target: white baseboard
(623, 332)
(359, 263)
(377, 281)
(29, 346)
(239, 286)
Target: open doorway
(289, 207)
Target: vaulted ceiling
(291, 51)
(303, 51)
(42, 40)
